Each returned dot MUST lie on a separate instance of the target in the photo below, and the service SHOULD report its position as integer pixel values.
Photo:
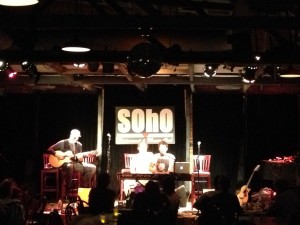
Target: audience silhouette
(101, 198)
(12, 209)
(219, 206)
(285, 201)
(168, 187)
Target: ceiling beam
(223, 57)
(105, 22)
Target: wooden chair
(76, 180)
(127, 160)
(201, 177)
(91, 159)
(49, 178)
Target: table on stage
(151, 176)
(272, 170)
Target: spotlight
(210, 70)
(93, 66)
(249, 75)
(79, 65)
(75, 46)
(11, 73)
(31, 70)
(3, 65)
(18, 2)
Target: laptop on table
(182, 167)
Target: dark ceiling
(188, 33)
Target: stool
(49, 178)
(73, 192)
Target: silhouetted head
(152, 187)
(6, 189)
(103, 180)
(169, 185)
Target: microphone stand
(198, 167)
(108, 154)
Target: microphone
(199, 143)
(108, 135)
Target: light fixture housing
(144, 60)
(18, 2)
(249, 75)
(11, 73)
(3, 65)
(31, 70)
(79, 64)
(93, 66)
(290, 72)
(210, 70)
(75, 46)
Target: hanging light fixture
(144, 60)
(3, 65)
(11, 73)
(18, 2)
(210, 70)
(75, 45)
(249, 75)
(31, 70)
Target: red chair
(91, 159)
(49, 178)
(201, 177)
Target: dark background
(237, 130)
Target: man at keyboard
(163, 162)
(141, 161)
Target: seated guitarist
(69, 153)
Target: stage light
(75, 46)
(3, 65)
(11, 73)
(18, 2)
(79, 65)
(210, 70)
(31, 70)
(249, 75)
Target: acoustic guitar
(243, 194)
(68, 156)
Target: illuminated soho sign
(136, 123)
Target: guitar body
(56, 162)
(68, 157)
(243, 195)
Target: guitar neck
(248, 183)
(255, 169)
